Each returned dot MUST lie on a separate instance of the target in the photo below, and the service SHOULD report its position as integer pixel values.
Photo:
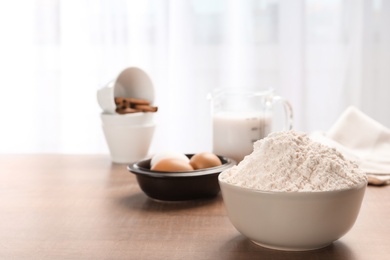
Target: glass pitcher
(241, 117)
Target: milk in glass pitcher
(241, 117)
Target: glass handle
(287, 109)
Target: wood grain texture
(84, 207)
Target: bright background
(322, 55)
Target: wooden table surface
(84, 207)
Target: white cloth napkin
(361, 139)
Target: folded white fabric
(361, 139)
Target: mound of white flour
(291, 161)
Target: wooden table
(84, 207)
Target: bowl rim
(294, 193)
(129, 115)
(135, 168)
(149, 125)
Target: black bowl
(178, 186)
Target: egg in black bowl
(179, 186)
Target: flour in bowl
(291, 161)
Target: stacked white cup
(128, 136)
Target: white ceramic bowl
(132, 119)
(294, 221)
(128, 144)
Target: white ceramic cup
(106, 100)
(130, 83)
(128, 144)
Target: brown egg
(204, 160)
(172, 165)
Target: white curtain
(322, 55)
